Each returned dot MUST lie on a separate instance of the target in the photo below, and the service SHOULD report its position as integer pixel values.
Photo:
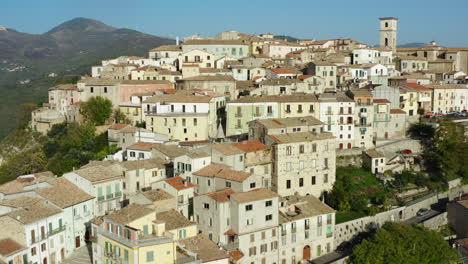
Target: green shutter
(108, 189)
(99, 190)
(149, 256)
(25, 259)
(125, 255)
(60, 223)
(117, 188)
(145, 229)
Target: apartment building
(363, 118)
(449, 97)
(304, 163)
(306, 226)
(132, 235)
(260, 129)
(337, 112)
(105, 183)
(38, 226)
(233, 48)
(325, 70)
(185, 115)
(245, 223)
(241, 111)
(183, 190)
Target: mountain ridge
(69, 48)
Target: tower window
(386, 24)
(386, 41)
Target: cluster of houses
(228, 149)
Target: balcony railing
(238, 115)
(118, 194)
(100, 198)
(109, 196)
(329, 235)
(56, 230)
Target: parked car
(429, 114)
(422, 212)
(406, 151)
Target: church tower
(388, 33)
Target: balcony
(118, 194)
(363, 114)
(329, 235)
(109, 196)
(329, 112)
(100, 198)
(56, 231)
(238, 115)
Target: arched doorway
(44, 261)
(306, 252)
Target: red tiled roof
(250, 145)
(230, 232)
(380, 101)
(281, 71)
(143, 146)
(9, 246)
(118, 126)
(397, 111)
(221, 196)
(303, 77)
(236, 254)
(416, 86)
(179, 183)
(223, 172)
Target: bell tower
(388, 33)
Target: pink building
(128, 88)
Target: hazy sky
(420, 20)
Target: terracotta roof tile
(416, 86)
(143, 146)
(63, 193)
(250, 146)
(206, 249)
(173, 219)
(236, 254)
(397, 111)
(381, 101)
(223, 172)
(221, 196)
(179, 183)
(9, 246)
(254, 195)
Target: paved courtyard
(80, 256)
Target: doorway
(306, 252)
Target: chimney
(177, 40)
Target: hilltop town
(244, 149)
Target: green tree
(23, 116)
(400, 243)
(120, 117)
(25, 162)
(421, 131)
(97, 110)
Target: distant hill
(412, 45)
(287, 38)
(68, 49)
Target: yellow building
(185, 115)
(132, 235)
(409, 100)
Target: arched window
(386, 41)
(386, 24)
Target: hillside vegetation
(68, 50)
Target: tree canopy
(400, 243)
(97, 110)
